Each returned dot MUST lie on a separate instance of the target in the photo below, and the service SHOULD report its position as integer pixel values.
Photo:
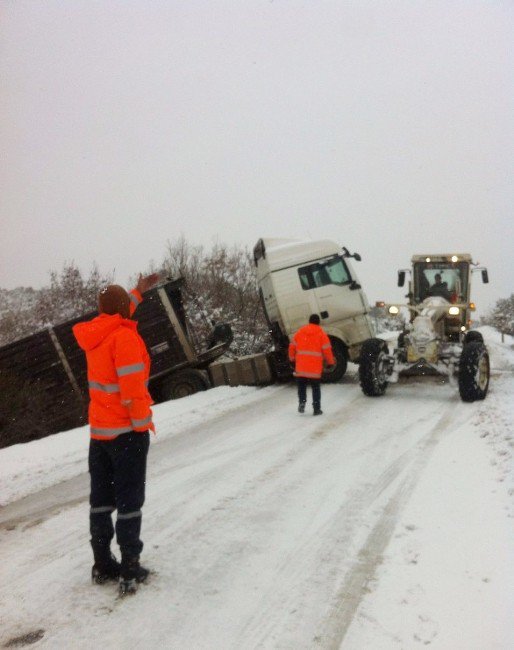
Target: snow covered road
(385, 523)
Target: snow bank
(30, 467)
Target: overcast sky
(384, 125)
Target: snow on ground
(385, 523)
(28, 468)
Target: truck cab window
(337, 271)
(333, 271)
(305, 279)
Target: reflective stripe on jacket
(308, 347)
(118, 368)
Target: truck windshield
(320, 274)
(444, 279)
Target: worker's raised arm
(143, 284)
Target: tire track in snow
(203, 482)
(36, 508)
(369, 558)
(272, 439)
(257, 491)
(329, 541)
(196, 533)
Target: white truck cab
(298, 278)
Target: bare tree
(502, 316)
(25, 311)
(220, 286)
(17, 317)
(70, 294)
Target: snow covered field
(386, 523)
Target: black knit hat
(314, 319)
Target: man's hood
(311, 329)
(91, 333)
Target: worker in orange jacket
(307, 350)
(120, 418)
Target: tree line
(502, 316)
(220, 286)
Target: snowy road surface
(385, 523)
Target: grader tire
(372, 375)
(473, 335)
(474, 372)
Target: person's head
(314, 319)
(438, 278)
(114, 300)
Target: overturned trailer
(43, 377)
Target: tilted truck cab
(298, 278)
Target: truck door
(338, 297)
(294, 304)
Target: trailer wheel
(474, 372)
(340, 351)
(183, 383)
(373, 367)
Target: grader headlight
(454, 311)
(393, 310)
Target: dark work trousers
(315, 384)
(118, 476)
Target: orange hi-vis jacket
(309, 346)
(118, 368)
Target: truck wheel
(473, 372)
(373, 367)
(183, 383)
(473, 335)
(331, 375)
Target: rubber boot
(132, 574)
(105, 568)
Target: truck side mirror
(401, 278)
(346, 253)
(485, 276)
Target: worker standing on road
(120, 417)
(309, 347)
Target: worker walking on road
(120, 418)
(307, 350)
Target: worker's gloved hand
(147, 282)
